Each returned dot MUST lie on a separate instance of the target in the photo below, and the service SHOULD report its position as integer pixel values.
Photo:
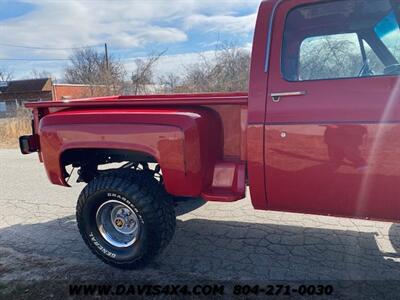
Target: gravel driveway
(39, 240)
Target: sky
(48, 29)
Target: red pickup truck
(317, 133)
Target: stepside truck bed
(197, 139)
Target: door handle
(276, 97)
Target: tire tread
(156, 205)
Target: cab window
(341, 39)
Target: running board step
(228, 182)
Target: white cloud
(126, 23)
(73, 23)
(132, 24)
(222, 23)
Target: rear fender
(185, 142)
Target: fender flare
(186, 143)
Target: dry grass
(12, 128)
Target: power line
(47, 48)
(55, 59)
(55, 48)
(33, 59)
(60, 59)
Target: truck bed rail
(158, 100)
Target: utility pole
(106, 54)
(107, 67)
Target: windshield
(388, 31)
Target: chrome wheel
(117, 223)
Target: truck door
(332, 126)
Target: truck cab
(324, 107)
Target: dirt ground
(11, 129)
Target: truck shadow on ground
(227, 250)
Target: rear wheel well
(88, 160)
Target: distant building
(14, 93)
(63, 91)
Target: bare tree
(328, 58)
(227, 70)
(88, 66)
(36, 74)
(335, 58)
(6, 74)
(170, 83)
(143, 77)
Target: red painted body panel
(234, 122)
(334, 150)
(231, 108)
(187, 141)
(256, 106)
(186, 144)
(336, 169)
